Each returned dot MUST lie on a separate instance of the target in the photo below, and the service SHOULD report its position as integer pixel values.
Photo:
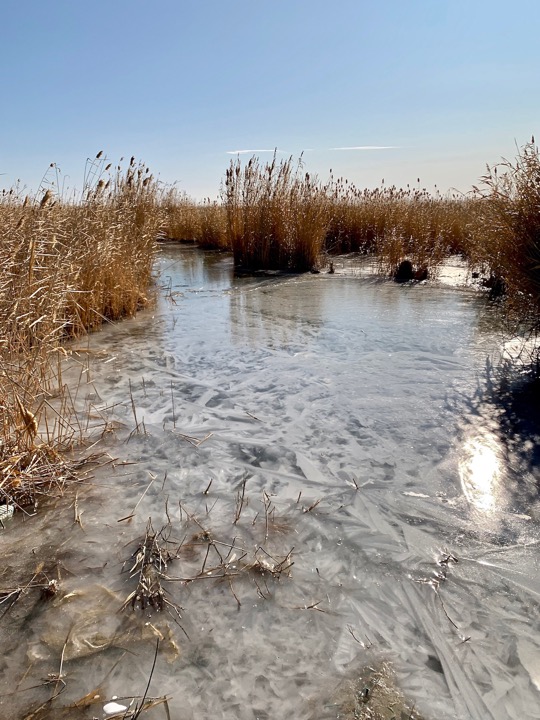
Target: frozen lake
(360, 418)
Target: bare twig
(205, 492)
(240, 498)
(141, 707)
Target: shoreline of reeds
(66, 267)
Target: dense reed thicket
(279, 217)
(505, 238)
(276, 215)
(65, 268)
(396, 223)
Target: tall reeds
(506, 234)
(276, 215)
(66, 266)
(181, 221)
(397, 223)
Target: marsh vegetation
(66, 267)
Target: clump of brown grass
(31, 474)
(256, 552)
(66, 266)
(181, 221)
(212, 223)
(276, 215)
(151, 559)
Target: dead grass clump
(151, 559)
(276, 215)
(234, 563)
(252, 554)
(263, 563)
(181, 221)
(212, 220)
(32, 474)
(205, 558)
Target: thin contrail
(250, 152)
(350, 147)
(367, 147)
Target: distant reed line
(277, 216)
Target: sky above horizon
(390, 90)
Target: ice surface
(367, 396)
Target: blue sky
(434, 88)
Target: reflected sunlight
(480, 471)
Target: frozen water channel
(359, 417)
